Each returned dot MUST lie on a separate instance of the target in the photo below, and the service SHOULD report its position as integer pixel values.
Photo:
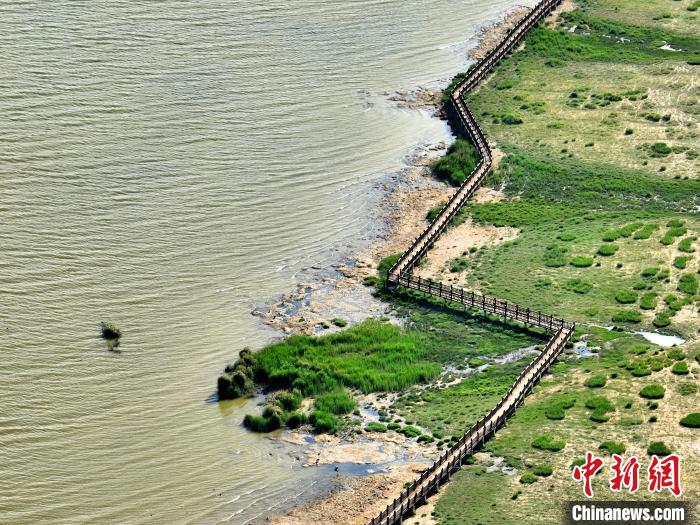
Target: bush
(528, 478)
(597, 381)
(459, 161)
(288, 401)
(543, 470)
(295, 420)
(393, 426)
(660, 149)
(641, 371)
(581, 261)
(652, 391)
(676, 354)
(662, 319)
(510, 119)
(237, 379)
(686, 245)
(606, 250)
(339, 322)
(658, 448)
(613, 447)
(648, 301)
(626, 316)
(375, 427)
(626, 297)
(548, 442)
(323, 422)
(410, 431)
(554, 412)
(337, 403)
(599, 416)
(269, 421)
(600, 403)
(688, 283)
(425, 438)
(691, 420)
(687, 389)
(680, 368)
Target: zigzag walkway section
(401, 274)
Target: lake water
(166, 166)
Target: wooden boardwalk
(401, 275)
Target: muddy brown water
(167, 166)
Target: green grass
(458, 163)
(613, 447)
(691, 420)
(652, 391)
(548, 442)
(596, 381)
(337, 403)
(372, 356)
(658, 448)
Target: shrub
(543, 470)
(626, 296)
(649, 272)
(548, 442)
(528, 478)
(554, 412)
(641, 371)
(645, 231)
(681, 262)
(676, 354)
(660, 149)
(337, 403)
(581, 261)
(288, 401)
(375, 427)
(410, 431)
(607, 250)
(658, 448)
(425, 438)
(613, 447)
(269, 421)
(629, 131)
(510, 119)
(687, 389)
(600, 403)
(459, 161)
(626, 316)
(686, 245)
(688, 283)
(578, 286)
(648, 301)
(662, 319)
(691, 420)
(555, 256)
(323, 422)
(339, 322)
(393, 426)
(295, 420)
(599, 416)
(680, 368)
(597, 381)
(652, 391)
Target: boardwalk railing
(401, 274)
(452, 459)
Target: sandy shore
(309, 309)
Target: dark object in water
(110, 332)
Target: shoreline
(309, 308)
